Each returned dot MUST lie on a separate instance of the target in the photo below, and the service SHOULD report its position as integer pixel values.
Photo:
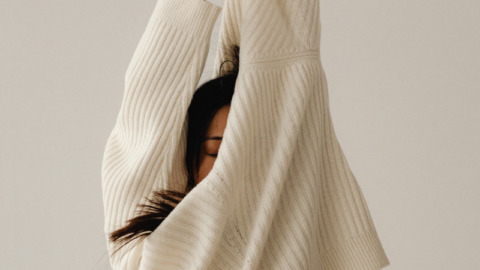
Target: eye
(213, 155)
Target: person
(207, 119)
(279, 194)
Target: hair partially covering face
(206, 101)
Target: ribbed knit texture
(281, 194)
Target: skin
(211, 143)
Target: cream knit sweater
(281, 194)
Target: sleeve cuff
(364, 252)
(195, 17)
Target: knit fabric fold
(281, 194)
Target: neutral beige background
(404, 90)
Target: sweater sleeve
(159, 83)
(287, 149)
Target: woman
(280, 193)
(207, 119)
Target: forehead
(219, 122)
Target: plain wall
(404, 90)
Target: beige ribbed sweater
(281, 194)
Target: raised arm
(159, 83)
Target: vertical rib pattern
(281, 194)
(159, 84)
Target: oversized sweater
(281, 194)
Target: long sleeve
(287, 139)
(159, 82)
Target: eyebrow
(213, 138)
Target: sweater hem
(362, 252)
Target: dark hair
(206, 101)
